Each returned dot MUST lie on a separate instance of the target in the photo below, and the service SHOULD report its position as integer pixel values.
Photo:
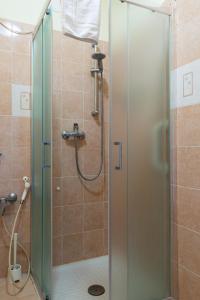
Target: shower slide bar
(153, 9)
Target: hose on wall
(11, 235)
(102, 143)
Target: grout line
(190, 271)
(186, 187)
(186, 228)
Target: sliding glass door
(140, 198)
(41, 157)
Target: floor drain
(96, 290)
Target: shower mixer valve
(66, 135)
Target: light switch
(188, 84)
(25, 101)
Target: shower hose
(11, 235)
(102, 141)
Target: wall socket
(25, 101)
(188, 84)
(21, 100)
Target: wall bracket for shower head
(66, 135)
(98, 56)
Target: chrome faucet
(66, 135)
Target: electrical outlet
(188, 84)
(21, 100)
(25, 101)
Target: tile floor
(71, 281)
(28, 293)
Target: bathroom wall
(186, 182)
(14, 133)
(80, 209)
(27, 11)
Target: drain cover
(96, 290)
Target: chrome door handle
(119, 165)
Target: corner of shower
(70, 202)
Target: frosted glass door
(140, 198)
(41, 262)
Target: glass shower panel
(148, 170)
(41, 261)
(139, 178)
(37, 159)
(47, 154)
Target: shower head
(99, 57)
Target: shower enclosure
(139, 184)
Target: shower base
(71, 281)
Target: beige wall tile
(188, 208)
(188, 123)
(72, 77)
(58, 251)
(57, 132)
(188, 42)
(21, 62)
(5, 98)
(94, 190)
(91, 162)
(73, 219)
(93, 243)
(57, 75)
(57, 44)
(21, 44)
(5, 131)
(188, 285)
(93, 216)
(72, 247)
(68, 161)
(187, 11)
(3, 261)
(72, 105)
(72, 50)
(188, 245)
(188, 166)
(5, 162)
(21, 131)
(5, 40)
(56, 105)
(57, 221)
(93, 138)
(5, 66)
(57, 161)
(72, 190)
(57, 191)
(19, 162)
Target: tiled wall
(80, 208)
(186, 182)
(14, 135)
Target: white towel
(81, 19)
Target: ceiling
(27, 11)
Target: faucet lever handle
(76, 127)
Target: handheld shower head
(99, 57)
